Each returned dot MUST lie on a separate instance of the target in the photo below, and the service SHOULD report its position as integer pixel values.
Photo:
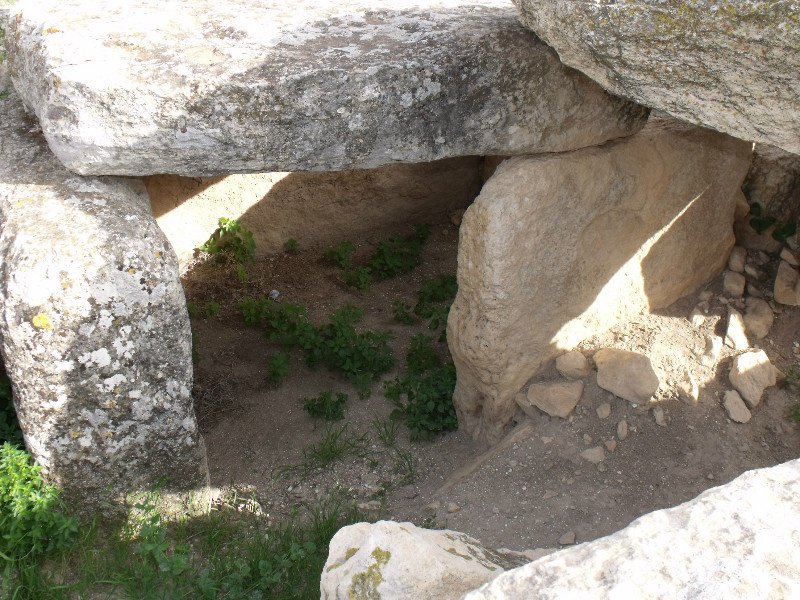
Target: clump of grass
(336, 444)
(324, 406)
(292, 246)
(278, 367)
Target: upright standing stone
(203, 87)
(94, 328)
(560, 246)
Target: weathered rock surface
(198, 87)
(628, 375)
(737, 259)
(555, 399)
(573, 365)
(95, 333)
(735, 336)
(733, 284)
(560, 246)
(774, 182)
(787, 285)
(390, 560)
(735, 407)
(734, 541)
(734, 68)
(751, 373)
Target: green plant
(784, 231)
(401, 312)
(292, 246)
(278, 367)
(194, 310)
(233, 239)
(358, 277)
(341, 255)
(336, 444)
(759, 220)
(241, 273)
(434, 299)
(325, 407)
(399, 254)
(211, 309)
(428, 406)
(31, 520)
(386, 430)
(421, 355)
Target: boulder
(390, 560)
(751, 373)
(561, 246)
(629, 375)
(203, 88)
(734, 68)
(735, 541)
(94, 328)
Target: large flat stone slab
(200, 87)
(94, 329)
(561, 246)
(737, 541)
(731, 66)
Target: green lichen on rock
(365, 584)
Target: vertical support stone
(94, 328)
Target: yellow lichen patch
(74, 434)
(158, 254)
(351, 552)
(131, 271)
(51, 30)
(365, 584)
(455, 552)
(42, 321)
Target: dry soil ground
(526, 496)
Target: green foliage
(325, 407)
(358, 356)
(402, 312)
(399, 254)
(292, 246)
(424, 396)
(359, 278)
(336, 444)
(434, 299)
(241, 273)
(31, 520)
(278, 367)
(211, 309)
(760, 221)
(194, 310)
(9, 426)
(341, 255)
(233, 239)
(784, 231)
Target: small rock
(371, 505)
(611, 445)
(787, 285)
(546, 439)
(758, 318)
(688, 389)
(456, 216)
(604, 410)
(735, 336)
(622, 430)
(734, 405)
(710, 357)
(629, 375)
(434, 506)
(751, 373)
(697, 317)
(787, 255)
(549, 494)
(587, 439)
(658, 415)
(595, 455)
(737, 259)
(573, 365)
(752, 272)
(556, 399)
(567, 539)
(602, 468)
(452, 507)
(733, 284)
(710, 477)
(705, 295)
(754, 291)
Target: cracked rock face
(560, 246)
(94, 328)
(730, 66)
(199, 87)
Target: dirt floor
(528, 494)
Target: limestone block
(391, 561)
(758, 318)
(787, 285)
(555, 399)
(561, 246)
(735, 407)
(739, 74)
(751, 373)
(203, 88)
(573, 365)
(735, 541)
(94, 328)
